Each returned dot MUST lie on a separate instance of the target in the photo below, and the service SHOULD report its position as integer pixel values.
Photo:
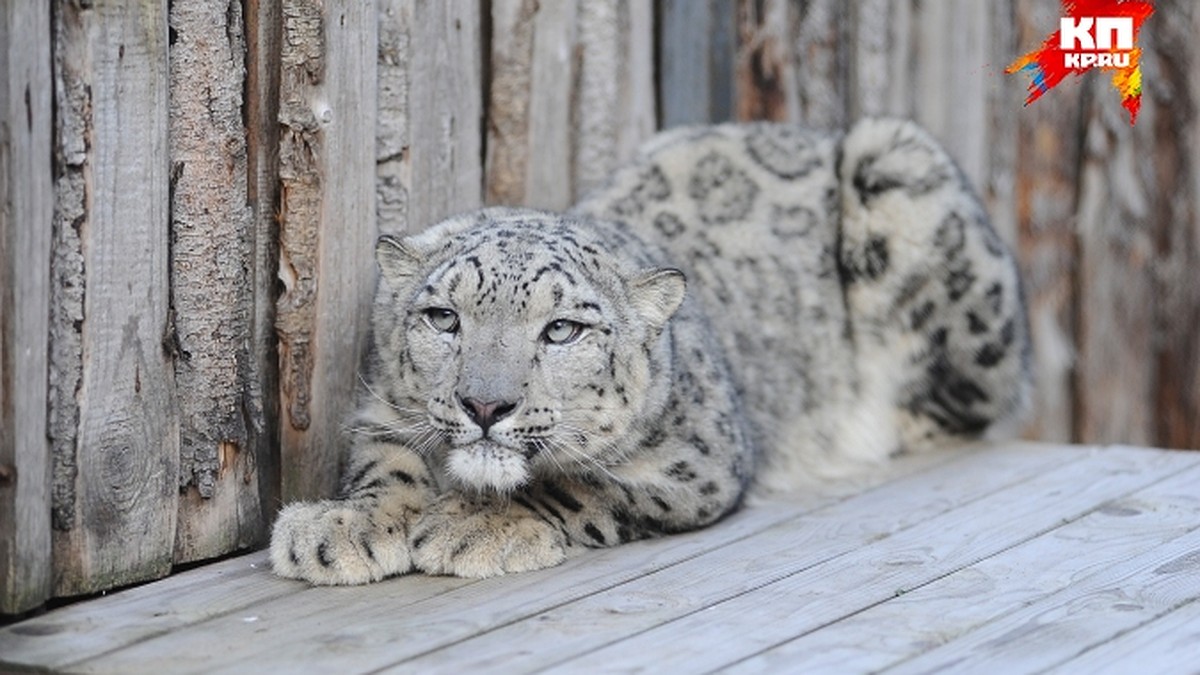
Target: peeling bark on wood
(73, 138)
(117, 469)
(26, 211)
(211, 282)
(326, 229)
(300, 146)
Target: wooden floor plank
(1089, 613)
(752, 563)
(941, 558)
(1173, 639)
(939, 612)
(297, 631)
(361, 628)
(834, 588)
(91, 628)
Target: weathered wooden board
(262, 22)
(1115, 333)
(764, 72)
(696, 45)
(139, 613)
(1047, 171)
(570, 95)
(26, 212)
(436, 603)
(1051, 631)
(114, 417)
(326, 230)
(613, 101)
(1173, 76)
(212, 284)
(823, 588)
(1033, 556)
(532, 75)
(687, 564)
(1173, 640)
(890, 632)
(443, 160)
(667, 594)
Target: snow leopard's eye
(562, 331)
(442, 319)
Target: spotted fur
(541, 383)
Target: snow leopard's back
(864, 301)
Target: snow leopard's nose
(485, 414)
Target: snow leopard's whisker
(606, 447)
(429, 438)
(580, 457)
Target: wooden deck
(1009, 558)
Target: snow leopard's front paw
(337, 543)
(483, 538)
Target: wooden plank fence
(189, 192)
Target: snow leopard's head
(513, 343)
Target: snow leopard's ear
(397, 258)
(656, 294)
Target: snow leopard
(742, 309)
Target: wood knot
(8, 475)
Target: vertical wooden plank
(551, 81)
(212, 282)
(114, 426)
(695, 51)
(510, 88)
(764, 81)
(445, 110)
(26, 207)
(637, 119)
(391, 124)
(596, 56)
(1173, 92)
(1114, 385)
(792, 61)
(1003, 94)
(951, 64)
(326, 229)
(613, 104)
(879, 77)
(1048, 163)
(429, 135)
(263, 34)
(820, 52)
